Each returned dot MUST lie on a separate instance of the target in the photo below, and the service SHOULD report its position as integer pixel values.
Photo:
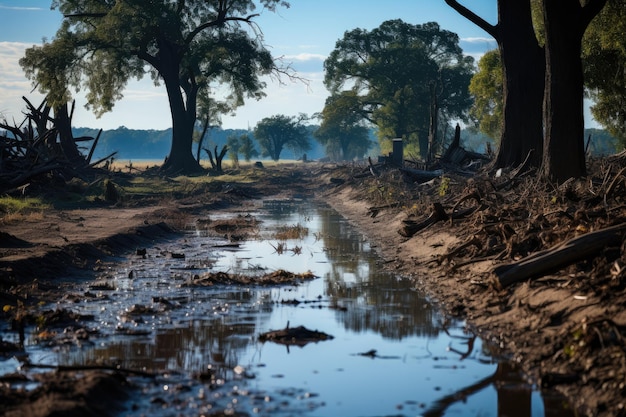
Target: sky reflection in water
(414, 367)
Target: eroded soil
(565, 327)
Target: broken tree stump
(564, 254)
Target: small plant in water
(280, 248)
(297, 231)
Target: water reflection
(419, 366)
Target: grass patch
(297, 231)
(12, 205)
(14, 209)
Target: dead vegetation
(42, 148)
(278, 277)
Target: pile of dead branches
(42, 148)
(529, 226)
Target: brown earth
(565, 328)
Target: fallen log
(410, 227)
(564, 254)
(420, 175)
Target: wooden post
(397, 157)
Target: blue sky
(303, 34)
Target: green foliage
(390, 71)
(277, 132)
(486, 87)
(343, 131)
(444, 186)
(13, 205)
(241, 145)
(604, 55)
(247, 148)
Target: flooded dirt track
(182, 322)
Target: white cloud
(20, 8)
(13, 83)
(478, 39)
(306, 57)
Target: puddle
(391, 351)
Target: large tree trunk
(565, 23)
(183, 110)
(523, 64)
(180, 159)
(63, 124)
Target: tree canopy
(279, 132)
(486, 87)
(391, 71)
(604, 58)
(186, 45)
(343, 132)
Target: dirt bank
(566, 329)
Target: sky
(303, 35)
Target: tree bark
(565, 23)
(523, 66)
(63, 124)
(183, 111)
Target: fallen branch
(564, 254)
(411, 227)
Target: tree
(486, 87)
(565, 22)
(209, 111)
(391, 69)
(523, 64)
(247, 148)
(278, 132)
(343, 131)
(233, 146)
(604, 66)
(187, 45)
(241, 145)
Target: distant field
(142, 164)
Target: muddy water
(392, 352)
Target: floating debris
(298, 336)
(277, 277)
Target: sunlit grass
(14, 209)
(10, 205)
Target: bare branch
(475, 19)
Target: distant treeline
(155, 144)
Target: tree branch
(217, 22)
(79, 15)
(475, 19)
(589, 11)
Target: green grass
(14, 205)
